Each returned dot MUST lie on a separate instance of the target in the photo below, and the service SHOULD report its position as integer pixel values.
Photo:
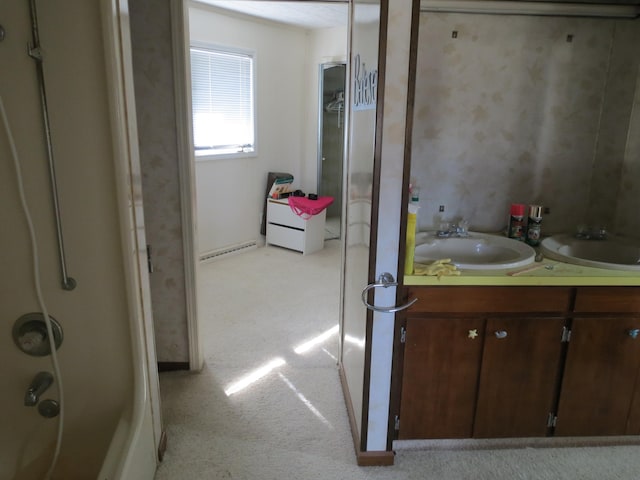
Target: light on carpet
(358, 342)
(306, 346)
(254, 376)
(304, 400)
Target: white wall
(95, 356)
(231, 192)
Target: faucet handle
(40, 383)
(463, 227)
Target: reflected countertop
(545, 273)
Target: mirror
(527, 109)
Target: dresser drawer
(490, 299)
(285, 237)
(282, 214)
(607, 299)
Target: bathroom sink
(614, 253)
(478, 251)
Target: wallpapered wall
(522, 109)
(153, 77)
(628, 218)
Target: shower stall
(331, 135)
(94, 414)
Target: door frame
(392, 155)
(186, 169)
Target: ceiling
(318, 14)
(310, 15)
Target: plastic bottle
(516, 228)
(411, 239)
(534, 225)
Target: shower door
(331, 131)
(376, 190)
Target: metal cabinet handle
(634, 333)
(501, 334)
(385, 280)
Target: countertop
(558, 274)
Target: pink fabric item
(305, 208)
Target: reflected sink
(614, 253)
(478, 251)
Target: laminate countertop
(547, 273)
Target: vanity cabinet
(600, 389)
(477, 366)
(518, 379)
(441, 366)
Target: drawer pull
(501, 334)
(633, 333)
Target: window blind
(222, 100)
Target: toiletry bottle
(516, 228)
(411, 238)
(534, 225)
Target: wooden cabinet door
(441, 366)
(518, 382)
(599, 377)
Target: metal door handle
(501, 334)
(385, 280)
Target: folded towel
(436, 268)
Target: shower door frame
(322, 68)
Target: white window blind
(223, 102)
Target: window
(222, 84)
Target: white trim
(182, 88)
(138, 456)
(396, 66)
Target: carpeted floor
(283, 416)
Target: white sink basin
(478, 251)
(614, 253)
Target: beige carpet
(291, 423)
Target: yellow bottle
(411, 239)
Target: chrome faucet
(40, 383)
(448, 230)
(589, 233)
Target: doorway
(331, 137)
(287, 142)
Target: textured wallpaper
(508, 109)
(628, 216)
(153, 76)
(609, 181)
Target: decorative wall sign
(365, 88)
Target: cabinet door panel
(441, 366)
(599, 377)
(518, 382)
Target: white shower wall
(96, 355)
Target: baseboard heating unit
(228, 251)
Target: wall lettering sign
(365, 88)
